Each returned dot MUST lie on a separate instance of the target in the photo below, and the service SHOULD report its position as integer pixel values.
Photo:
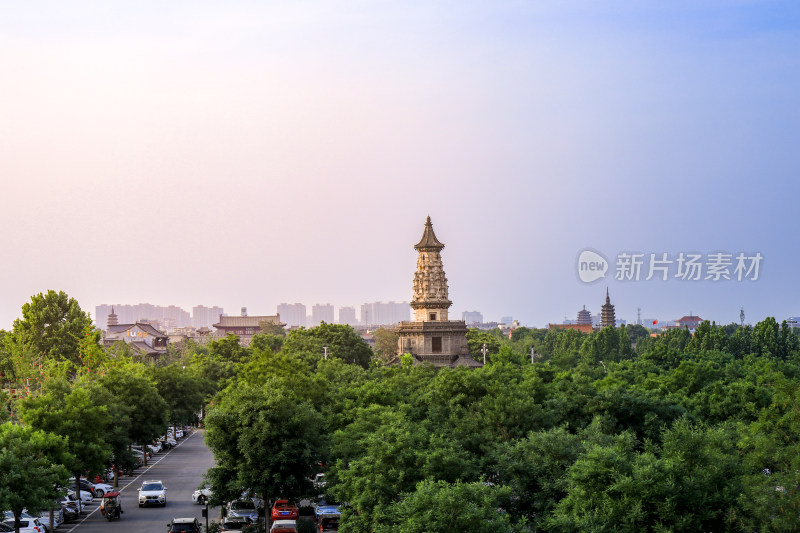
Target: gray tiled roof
(147, 328)
(245, 321)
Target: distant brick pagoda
(607, 315)
(431, 337)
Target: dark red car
(283, 510)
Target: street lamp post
(325, 352)
(483, 351)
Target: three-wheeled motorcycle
(111, 506)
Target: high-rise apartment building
(321, 313)
(205, 317)
(385, 313)
(472, 317)
(171, 315)
(293, 315)
(347, 315)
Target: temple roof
(245, 321)
(428, 239)
(147, 328)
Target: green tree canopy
(31, 469)
(70, 409)
(52, 326)
(441, 507)
(182, 392)
(343, 342)
(265, 439)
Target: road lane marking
(149, 466)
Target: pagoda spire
(607, 314)
(428, 240)
(112, 318)
(431, 300)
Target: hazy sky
(247, 153)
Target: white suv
(153, 492)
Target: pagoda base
(441, 343)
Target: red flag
(654, 321)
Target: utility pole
(533, 354)
(325, 352)
(639, 315)
(483, 351)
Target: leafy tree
(385, 343)
(343, 342)
(52, 325)
(535, 469)
(263, 341)
(69, 409)
(266, 438)
(441, 507)
(476, 338)
(387, 465)
(6, 360)
(182, 392)
(228, 349)
(636, 332)
(145, 409)
(31, 469)
(271, 328)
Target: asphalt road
(180, 469)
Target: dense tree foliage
(617, 430)
(52, 326)
(31, 469)
(612, 431)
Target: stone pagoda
(607, 317)
(431, 337)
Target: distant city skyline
(253, 153)
(203, 316)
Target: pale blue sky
(250, 153)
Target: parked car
(58, 517)
(234, 524)
(86, 496)
(328, 523)
(4, 528)
(284, 510)
(284, 526)
(324, 507)
(97, 489)
(27, 523)
(201, 496)
(244, 509)
(152, 492)
(70, 511)
(138, 449)
(184, 525)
